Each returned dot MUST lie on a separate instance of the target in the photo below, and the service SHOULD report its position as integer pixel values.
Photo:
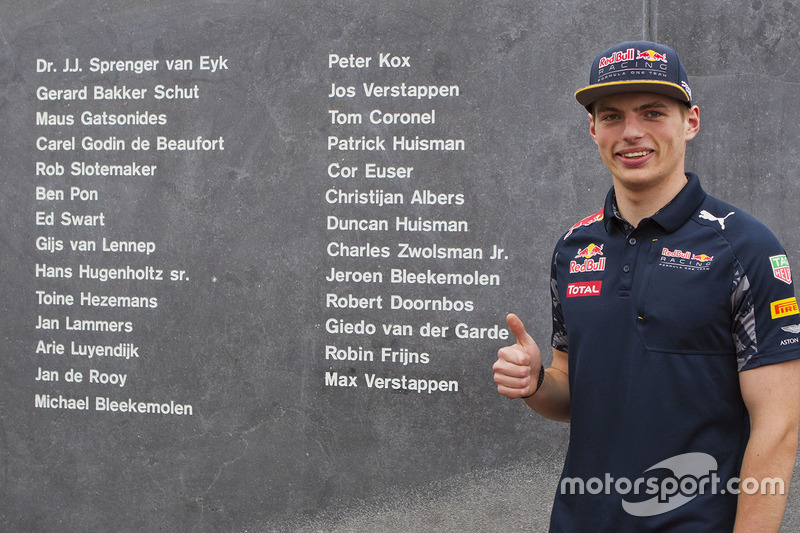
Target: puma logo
(708, 216)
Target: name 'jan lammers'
(81, 324)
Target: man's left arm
(772, 396)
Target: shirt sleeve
(766, 320)
(559, 339)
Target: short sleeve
(766, 319)
(559, 339)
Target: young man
(675, 331)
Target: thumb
(518, 330)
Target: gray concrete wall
(241, 336)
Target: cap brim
(589, 95)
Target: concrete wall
(242, 336)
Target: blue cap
(636, 66)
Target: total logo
(589, 264)
(584, 288)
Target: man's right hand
(516, 370)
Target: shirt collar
(670, 217)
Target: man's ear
(591, 128)
(692, 122)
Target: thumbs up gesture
(516, 370)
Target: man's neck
(636, 205)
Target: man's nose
(633, 128)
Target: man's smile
(634, 155)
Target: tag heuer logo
(780, 268)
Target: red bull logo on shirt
(685, 259)
(585, 222)
(590, 251)
(589, 264)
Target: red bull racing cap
(636, 66)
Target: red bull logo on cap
(632, 64)
(617, 57)
(651, 55)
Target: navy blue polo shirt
(658, 321)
